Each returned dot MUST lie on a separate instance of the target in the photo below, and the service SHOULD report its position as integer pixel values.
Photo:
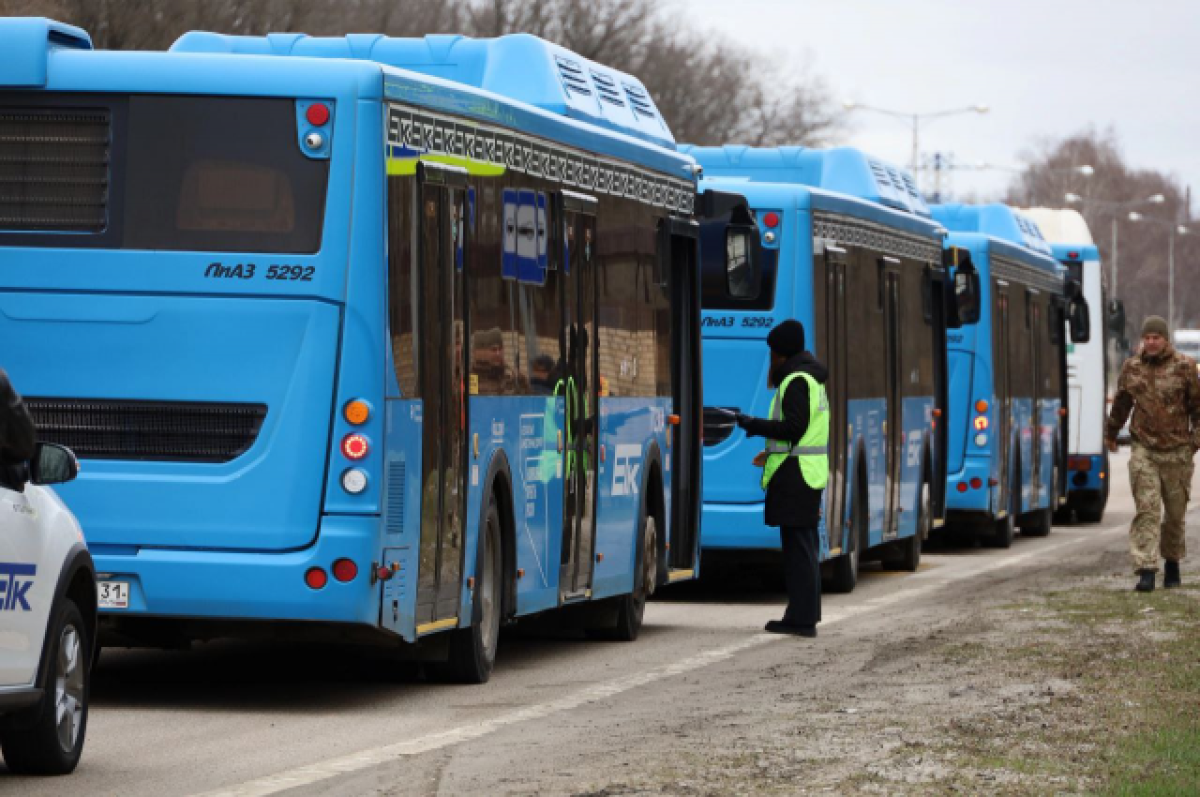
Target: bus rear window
(209, 174)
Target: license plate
(113, 594)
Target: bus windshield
(158, 172)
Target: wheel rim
(649, 563)
(68, 688)
(490, 620)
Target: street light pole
(1172, 229)
(915, 162)
(1156, 199)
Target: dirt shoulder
(1063, 681)
(1084, 687)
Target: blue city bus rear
(224, 337)
(822, 216)
(1008, 403)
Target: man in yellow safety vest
(795, 467)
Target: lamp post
(1156, 199)
(1172, 230)
(1083, 170)
(915, 119)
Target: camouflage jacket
(1163, 393)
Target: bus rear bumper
(1085, 473)
(736, 527)
(244, 585)
(961, 493)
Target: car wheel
(53, 744)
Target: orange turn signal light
(981, 406)
(673, 420)
(356, 412)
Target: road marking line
(355, 762)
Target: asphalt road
(253, 719)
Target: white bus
(1087, 365)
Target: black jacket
(17, 436)
(791, 502)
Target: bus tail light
(976, 483)
(315, 578)
(1080, 463)
(355, 446)
(962, 487)
(317, 114)
(356, 412)
(345, 570)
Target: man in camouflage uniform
(1161, 387)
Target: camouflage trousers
(1160, 480)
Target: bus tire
(844, 575)
(631, 607)
(473, 649)
(909, 560)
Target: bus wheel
(1005, 530)
(473, 649)
(909, 559)
(631, 608)
(844, 575)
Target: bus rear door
(579, 389)
(442, 367)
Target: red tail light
(315, 578)
(345, 570)
(976, 483)
(355, 446)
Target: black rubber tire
(909, 560)
(473, 649)
(844, 570)
(37, 750)
(1090, 511)
(631, 608)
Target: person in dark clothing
(792, 502)
(18, 436)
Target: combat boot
(1171, 575)
(1146, 582)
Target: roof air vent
(607, 88)
(573, 76)
(639, 100)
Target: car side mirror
(1080, 321)
(52, 464)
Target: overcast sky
(1046, 68)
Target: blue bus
(360, 338)
(1088, 368)
(845, 244)
(1008, 377)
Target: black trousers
(802, 574)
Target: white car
(47, 620)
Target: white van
(1187, 341)
(47, 619)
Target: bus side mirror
(1080, 321)
(742, 277)
(966, 293)
(53, 464)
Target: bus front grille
(148, 430)
(54, 169)
(718, 424)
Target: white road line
(365, 759)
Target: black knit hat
(787, 339)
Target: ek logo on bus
(13, 590)
(626, 467)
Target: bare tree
(709, 90)
(1142, 247)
